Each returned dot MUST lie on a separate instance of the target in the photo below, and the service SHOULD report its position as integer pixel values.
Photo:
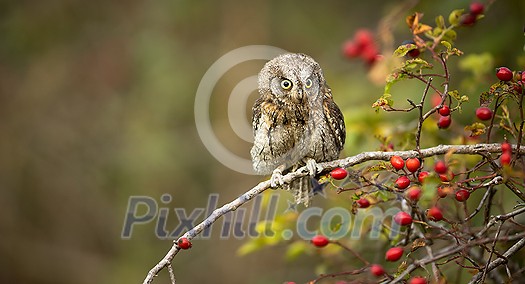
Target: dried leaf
(414, 25)
(381, 166)
(413, 20)
(421, 28)
(418, 243)
(383, 102)
(476, 129)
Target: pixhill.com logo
(170, 222)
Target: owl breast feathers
(295, 121)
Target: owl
(295, 122)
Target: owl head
(293, 76)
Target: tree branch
(303, 171)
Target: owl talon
(313, 167)
(277, 178)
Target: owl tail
(302, 189)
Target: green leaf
(416, 64)
(440, 22)
(454, 94)
(454, 17)
(446, 44)
(436, 32)
(450, 35)
(455, 51)
(402, 50)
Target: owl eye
(286, 84)
(308, 83)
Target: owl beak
(298, 94)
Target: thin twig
(172, 274)
(501, 260)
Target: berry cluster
(506, 156)
(445, 119)
(516, 79)
(476, 9)
(362, 46)
(510, 83)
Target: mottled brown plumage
(295, 121)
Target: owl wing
(256, 114)
(334, 117)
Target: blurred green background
(96, 105)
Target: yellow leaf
(421, 29)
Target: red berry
(504, 74)
(422, 176)
(377, 270)
(476, 8)
(444, 110)
(402, 182)
(446, 176)
(414, 53)
(394, 254)
(184, 243)
(440, 167)
(435, 214)
(320, 241)
(363, 203)
(484, 113)
(403, 218)
(444, 122)
(462, 195)
(351, 49)
(338, 173)
(397, 162)
(518, 87)
(417, 280)
(414, 193)
(370, 54)
(444, 191)
(468, 19)
(364, 37)
(505, 159)
(506, 147)
(413, 164)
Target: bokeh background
(96, 105)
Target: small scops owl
(295, 122)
